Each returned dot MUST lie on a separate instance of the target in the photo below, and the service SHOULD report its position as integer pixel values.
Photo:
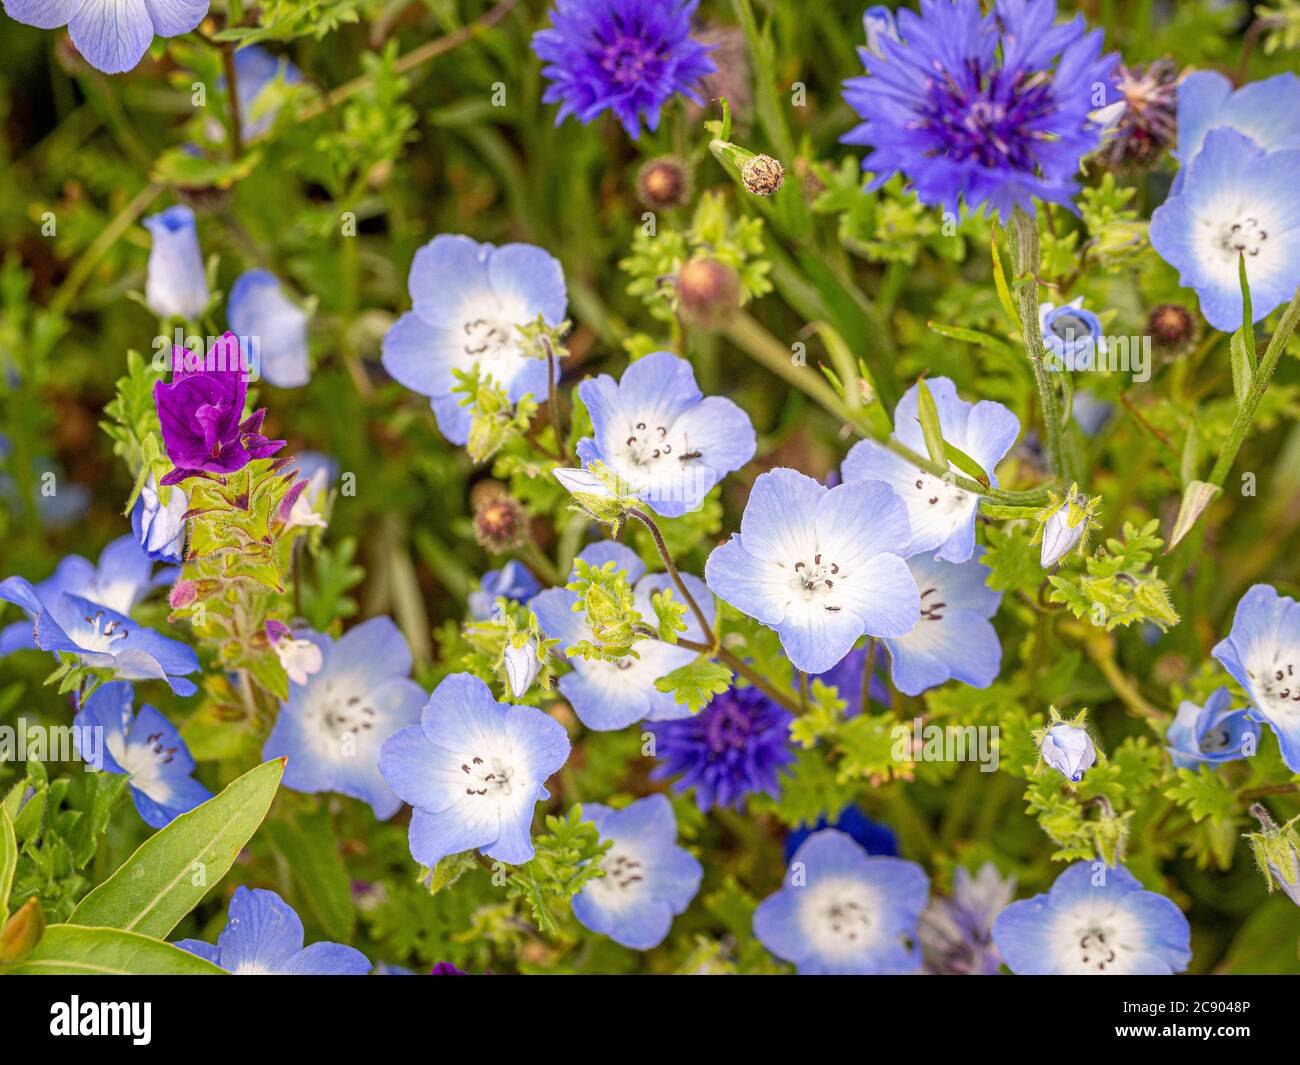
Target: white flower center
(341, 715)
(100, 635)
(944, 498)
(1243, 237)
(490, 778)
(1097, 936)
(815, 578)
(626, 875)
(1275, 681)
(836, 915)
(143, 762)
(932, 605)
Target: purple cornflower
(734, 747)
(991, 109)
(202, 414)
(625, 56)
(956, 932)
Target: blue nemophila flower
(1268, 112)
(123, 576)
(159, 529)
(820, 565)
(1237, 201)
(625, 56)
(871, 836)
(111, 35)
(844, 913)
(256, 71)
(941, 514)
(1094, 920)
(259, 309)
(513, 582)
(734, 747)
(956, 932)
(1069, 750)
(473, 770)
(264, 937)
(666, 441)
(469, 301)
(1212, 733)
(992, 109)
(648, 878)
(612, 695)
(176, 282)
(1262, 652)
(66, 618)
(954, 640)
(147, 748)
(333, 727)
(1072, 333)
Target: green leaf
(1000, 282)
(695, 683)
(309, 846)
(1247, 315)
(1239, 359)
(8, 861)
(168, 875)
(965, 463)
(74, 950)
(928, 414)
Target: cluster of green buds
(494, 420)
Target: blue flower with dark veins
(333, 727)
(648, 878)
(991, 109)
(146, 747)
(612, 695)
(667, 443)
(821, 566)
(1262, 652)
(941, 513)
(843, 912)
(736, 746)
(629, 57)
(264, 937)
(1211, 734)
(1095, 920)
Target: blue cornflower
(843, 912)
(954, 640)
(1262, 652)
(111, 36)
(513, 582)
(1069, 750)
(159, 529)
(81, 610)
(648, 878)
(956, 932)
(1237, 201)
(1268, 112)
(176, 281)
(274, 325)
(146, 747)
(469, 300)
(734, 747)
(941, 514)
(332, 727)
(820, 565)
(1094, 920)
(1213, 733)
(625, 56)
(264, 937)
(991, 109)
(612, 695)
(667, 443)
(1072, 333)
(473, 770)
(871, 836)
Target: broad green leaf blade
(165, 879)
(8, 861)
(73, 950)
(928, 414)
(310, 848)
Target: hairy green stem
(1025, 258)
